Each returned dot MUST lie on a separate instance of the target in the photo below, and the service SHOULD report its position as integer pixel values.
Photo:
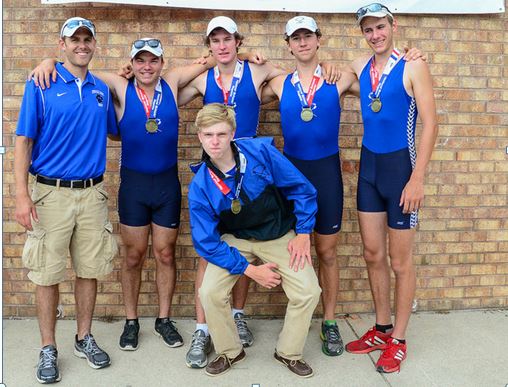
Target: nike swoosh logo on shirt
(60, 94)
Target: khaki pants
(301, 288)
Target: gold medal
(151, 125)
(376, 105)
(306, 114)
(236, 206)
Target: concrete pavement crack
(382, 375)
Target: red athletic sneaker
(369, 342)
(392, 356)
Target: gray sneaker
(246, 337)
(89, 350)
(201, 346)
(47, 368)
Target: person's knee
(327, 256)
(306, 294)
(134, 259)
(373, 256)
(401, 265)
(165, 256)
(211, 295)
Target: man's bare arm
(25, 209)
(189, 92)
(45, 72)
(181, 76)
(348, 83)
(421, 83)
(267, 93)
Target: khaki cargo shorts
(71, 221)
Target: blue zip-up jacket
(266, 166)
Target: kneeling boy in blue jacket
(247, 200)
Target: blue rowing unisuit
(393, 127)
(317, 138)
(143, 151)
(247, 102)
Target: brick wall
(462, 246)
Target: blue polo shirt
(69, 123)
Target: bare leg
(326, 249)
(200, 313)
(47, 302)
(240, 292)
(85, 292)
(373, 232)
(163, 244)
(401, 254)
(135, 240)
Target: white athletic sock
(203, 327)
(235, 311)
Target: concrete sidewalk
(467, 348)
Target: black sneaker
(89, 350)
(47, 368)
(164, 328)
(332, 342)
(129, 337)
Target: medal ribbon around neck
(307, 102)
(378, 83)
(226, 191)
(150, 109)
(229, 96)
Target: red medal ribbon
(307, 102)
(225, 93)
(230, 95)
(374, 75)
(144, 100)
(312, 89)
(219, 183)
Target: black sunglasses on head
(154, 43)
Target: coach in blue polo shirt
(61, 141)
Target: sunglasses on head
(374, 7)
(79, 23)
(154, 43)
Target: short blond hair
(214, 113)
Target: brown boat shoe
(222, 364)
(298, 367)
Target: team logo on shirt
(99, 96)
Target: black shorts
(325, 175)
(381, 180)
(145, 198)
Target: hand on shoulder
(417, 67)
